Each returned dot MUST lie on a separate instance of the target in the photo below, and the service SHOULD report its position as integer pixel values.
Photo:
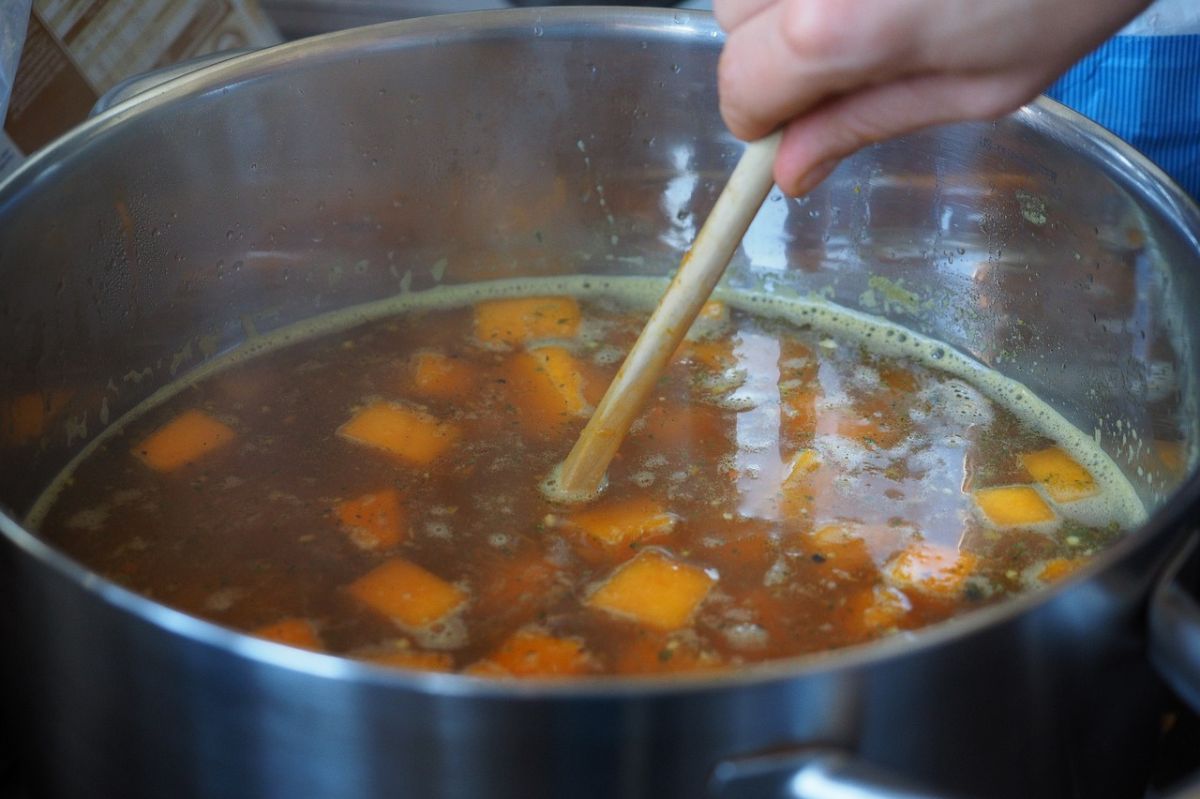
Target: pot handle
(1175, 626)
(817, 773)
(144, 81)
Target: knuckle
(810, 29)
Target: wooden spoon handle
(580, 476)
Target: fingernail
(815, 176)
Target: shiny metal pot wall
(329, 172)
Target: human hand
(842, 74)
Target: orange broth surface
(375, 494)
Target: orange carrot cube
(1057, 569)
(802, 485)
(546, 385)
(183, 440)
(441, 377)
(406, 593)
(931, 570)
(625, 521)
(411, 435)
(373, 521)
(803, 463)
(1062, 477)
(531, 653)
(1013, 506)
(654, 590)
(526, 319)
(293, 632)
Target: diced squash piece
(183, 440)
(411, 435)
(293, 632)
(532, 653)
(1013, 506)
(406, 593)
(526, 319)
(803, 463)
(654, 590)
(625, 521)
(803, 484)
(441, 377)
(373, 521)
(1060, 474)
(1057, 569)
(414, 659)
(546, 385)
(931, 570)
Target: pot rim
(1121, 161)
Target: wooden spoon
(580, 477)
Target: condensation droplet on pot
(676, 68)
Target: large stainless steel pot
(324, 173)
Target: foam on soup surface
(803, 479)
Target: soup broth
(802, 479)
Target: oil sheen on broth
(802, 479)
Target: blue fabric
(1145, 89)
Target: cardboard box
(75, 50)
